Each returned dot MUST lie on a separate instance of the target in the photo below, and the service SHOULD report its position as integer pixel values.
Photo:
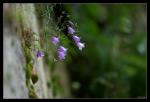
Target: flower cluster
(75, 38)
(77, 42)
(62, 51)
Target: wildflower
(39, 54)
(61, 53)
(55, 40)
(62, 49)
(71, 30)
(80, 45)
(76, 38)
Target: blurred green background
(113, 63)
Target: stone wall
(24, 75)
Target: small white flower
(80, 45)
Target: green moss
(27, 42)
(28, 72)
(32, 94)
(34, 78)
(27, 54)
(31, 87)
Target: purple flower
(55, 40)
(61, 53)
(62, 49)
(39, 54)
(76, 39)
(80, 45)
(71, 30)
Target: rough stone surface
(14, 74)
(14, 80)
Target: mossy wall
(25, 76)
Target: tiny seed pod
(34, 76)
(70, 23)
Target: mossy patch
(30, 77)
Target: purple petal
(76, 38)
(39, 54)
(80, 45)
(61, 55)
(61, 52)
(55, 40)
(71, 30)
(62, 49)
